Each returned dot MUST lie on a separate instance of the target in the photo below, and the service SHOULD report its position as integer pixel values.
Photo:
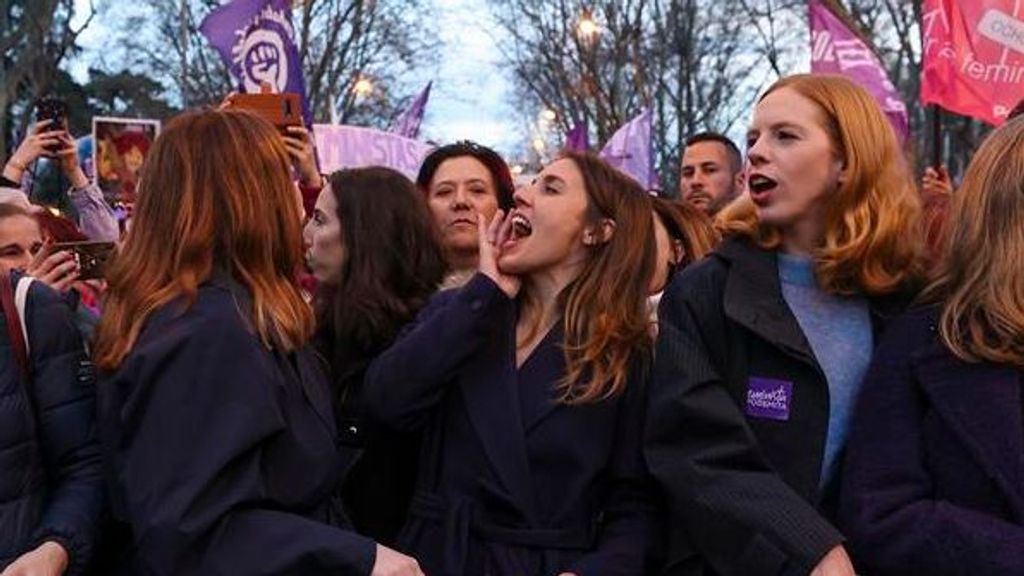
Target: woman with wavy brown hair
(215, 416)
(528, 384)
(763, 345)
(933, 481)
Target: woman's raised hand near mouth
(492, 236)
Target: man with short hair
(712, 172)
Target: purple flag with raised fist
(407, 124)
(629, 149)
(835, 49)
(577, 138)
(257, 42)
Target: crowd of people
(809, 363)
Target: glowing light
(363, 87)
(587, 27)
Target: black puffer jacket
(50, 479)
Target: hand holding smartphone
(91, 257)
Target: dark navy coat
(934, 478)
(51, 487)
(221, 452)
(744, 490)
(510, 481)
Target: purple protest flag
(578, 139)
(408, 122)
(629, 149)
(835, 49)
(256, 39)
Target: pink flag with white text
(973, 61)
(835, 49)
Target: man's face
(20, 239)
(707, 181)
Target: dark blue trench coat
(510, 481)
(221, 452)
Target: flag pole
(936, 136)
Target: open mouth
(521, 227)
(760, 184)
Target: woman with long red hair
(528, 385)
(763, 345)
(215, 416)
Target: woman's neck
(462, 262)
(803, 238)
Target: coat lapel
(492, 402)
(982, 405)
(753, 299)
(538, 376)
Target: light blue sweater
(838, 329)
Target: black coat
(935, 468)
(743, 490)
(381, 463)
(221, 453)
(51, 487)
(512, 482)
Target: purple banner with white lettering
(408, 122)
(256, 39)
(835, 49)
(629, 150)
(354, 146)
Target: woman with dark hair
(934, 480)
(528, 385)
(215, 418)
(460, 181)
(372, 247)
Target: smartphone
(91, 256)
(55, 109)
(281, 110)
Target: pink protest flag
(835, 49)
(973, 62)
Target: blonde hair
(982, 275)
(872, 241)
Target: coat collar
(753, 297)
(981, 402)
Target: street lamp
(587, 27)
(363, 87)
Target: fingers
(228, 101)
(38, 127)
(298, 132)
(504, 232)
(58, 270)
(494, 227)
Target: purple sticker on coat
(767, 398)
